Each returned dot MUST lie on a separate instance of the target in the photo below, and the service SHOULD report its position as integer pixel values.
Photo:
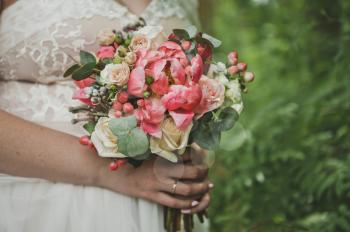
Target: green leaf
(192, 31)
(181, 33)
(206, 137)
(138, 143)
(122, 126)
(87, 57)
(215, 42)
(90, 127)
(83, 72)
(71, 70)
(227, 119)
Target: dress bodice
(38, 36)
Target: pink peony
(137, 82)
(213, 95)
(196, 68)
(151, 115)
(174, 50)
(182, 97)
(105, 52)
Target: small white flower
(233, 93)
(106, 37)
(221, 67)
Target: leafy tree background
(286, 165)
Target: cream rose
(147, 37)
(173, 141)
(117, 74)
(106, 37)
(105, 142)
(233, 93)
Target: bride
(50, 182)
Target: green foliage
(286, 165)
(132, 141)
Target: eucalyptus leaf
(227, 119)
(87, 57)
(83, 72)
(192, 31)
(215, 42)
(138, 143)
(122, 126)
(71, 70)
(181, 33)
(90, 127)
(206, 137)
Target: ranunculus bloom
(140, 42)
(148, 37)
(182, 97)
(213, 95)
(150, 115)
(106, 37)
(173, 141)
(105, 52)
(117, 74)
(196, 68)
(105, 142)
(137, 82)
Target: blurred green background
(286, 165)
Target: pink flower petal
(182, 119)
(177, 72)
(197, 68)
(137, 82)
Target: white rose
(106, 37)
(117, 74)
(105, 142)
(233, 93)
(173, 141)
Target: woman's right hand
(154, 181)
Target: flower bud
(233, 70)
(117, 60)
(121, 51)
(141, 102)
(146, 94)
(123, 97)
(242, 67)
(149, 80)
(172, 36)
(117, 106)
(128, 108)
(121, 162)
(119, 39)
(186, 45)
(127, 42)
(248, 77)
(130, 58)
(233, 58)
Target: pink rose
(151, 115)
(137, 82)
(213, 95)
(196, 68)
(182, 97)
(105, 52)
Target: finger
(188, 171)
(201, 206)
(174, 202)
(188, 189)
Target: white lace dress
(35, 38)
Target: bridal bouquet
(145, 93)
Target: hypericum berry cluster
(239, 69)
(121, 106)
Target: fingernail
(194, 203)
(211, 185)
(186, 211)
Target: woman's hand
(154, 180)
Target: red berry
(91, 146)
(118, 114)
(117, 106)
(232, 58)
(128, 108)
(123, 97)
(121, 162)
(113, 166)
(248, 77)
(84, 140)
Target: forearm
(30, 150)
